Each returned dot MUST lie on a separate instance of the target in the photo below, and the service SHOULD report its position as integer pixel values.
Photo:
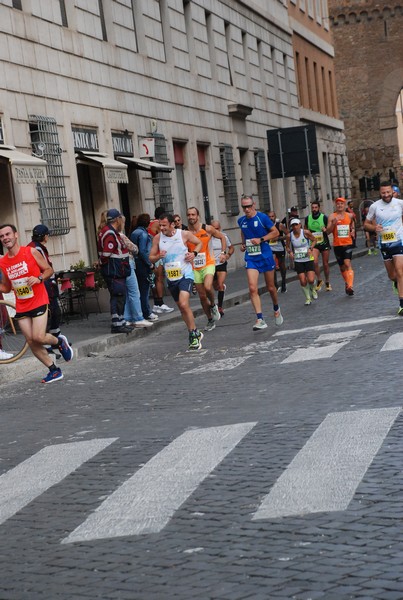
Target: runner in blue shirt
(256, 230)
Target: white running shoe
(162, 309)
(210, 325)
(5, 355)
(143, 323)
(215, 313)
(260, 324)
(152, 317)
(278, 318)
(307, 302)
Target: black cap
(39, 231)
(112, 214)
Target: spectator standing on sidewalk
(144, 267)
(133, 314)
(115, 267)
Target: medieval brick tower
(368, 45)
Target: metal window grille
(301, 191)
(262, 180)
(162, 179)
(63, 13)
(52, 195)
(229, 180)
(103, 23)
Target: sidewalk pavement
(92, 336)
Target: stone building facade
(369, 78)
(314, 64)
(138, 104)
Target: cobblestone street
(142, 474)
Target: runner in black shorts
(220, 274)
(316, 223)
(278, 249)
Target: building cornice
(320, 119)
(311, 37)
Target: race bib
(200, 260)
(388, 234)
(173, 271)
(318, 235)
(22, 290)
(251, 249)
(300, 253)
(343, 231)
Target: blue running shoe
(53, 376)
(65, 349)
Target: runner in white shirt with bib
(385, 218)
(171, 246)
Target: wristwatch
(262, 239)
(40, 277)
(195, 253)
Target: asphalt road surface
(268, 465)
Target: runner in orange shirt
(204, 265)
(341, 225)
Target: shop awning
(114, 171)
(144, 165)
(25, 168)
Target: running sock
(307, 292)
(349, 277)
(53, 368)
(259, 315)
(158, 301)
(220, 299)
(312, 287)
(344, 275)
(275, 307)
(401, 302)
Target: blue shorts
(181, 285)
(260, 263)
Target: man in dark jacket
(115, 267)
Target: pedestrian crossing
(323, 346)
(322, 477)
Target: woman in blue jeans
(144, 266)
(133, 314)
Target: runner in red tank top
(23, 269)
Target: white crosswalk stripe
(224, 364)
(394, 342)
(319, 352)
(326, 472)
(322, 477)
(49, 466)
(146, 502)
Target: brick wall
(369, 76)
